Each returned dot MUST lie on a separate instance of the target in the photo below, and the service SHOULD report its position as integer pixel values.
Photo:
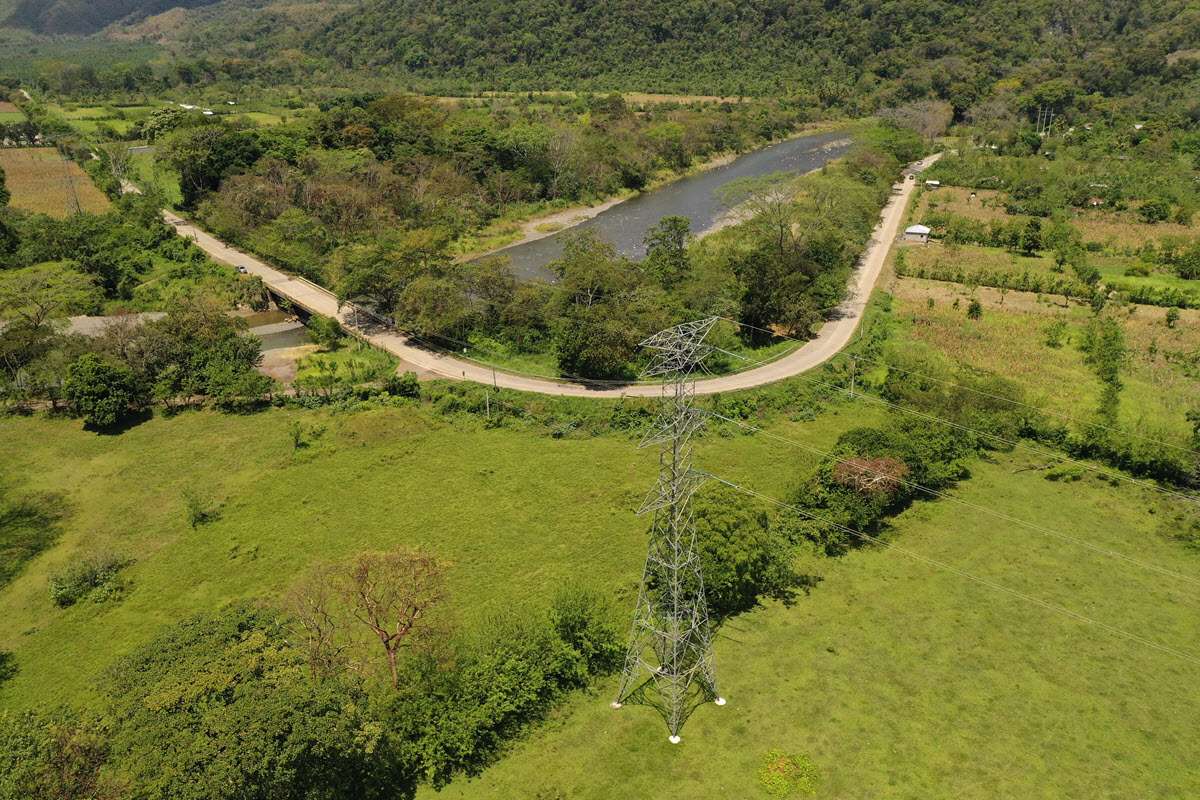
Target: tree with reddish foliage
(878, 478)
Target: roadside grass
(37, 178)
(504, 356)
(900, 680)
(150, 176)
(349, 364)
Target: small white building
(933, 184)
(916, 233)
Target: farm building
(933, 184)
(916, 233)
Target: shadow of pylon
(647, 694)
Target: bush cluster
(92, 572)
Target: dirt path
(427, 362)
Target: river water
(694, 197)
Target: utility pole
(853, 375)
(669, 663)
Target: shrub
(405, 385)
(1054, 333)
(325, 331)
(86, 574)
(197, 507)
(786, 774)
(101, 392)
(975, 310)
(1065, 472)
(583, 621)
(1155, 210)
(1172, 316)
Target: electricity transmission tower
(669, 664)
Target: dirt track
(834, 335)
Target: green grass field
(9, 117)
(149, 176)
(258, 117)
(897, 678)
(394, 475)
(901, 680)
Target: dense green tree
(666, 251)
(744, 556)
(101, 392)
(54, 755)
(1030, 239)
(222, 707)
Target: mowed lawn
(899, 679)
(37, 178)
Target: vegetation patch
(787, 775)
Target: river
(694, 197)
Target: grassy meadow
(897, 678)
(902, 680)
(37, 178)
(151, 176)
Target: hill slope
(760, 45)
(86, 16)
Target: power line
(967, 503)
(964, 574)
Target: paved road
(833, 336)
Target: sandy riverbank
(558, 221)
(737, 215)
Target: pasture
(898, 678)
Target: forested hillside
(890, 51)
(86, 16)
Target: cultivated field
(38, 178)
(9, 113)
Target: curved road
(427, 362)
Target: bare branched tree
(929, 118)
(318, 620)
(784, 211)
(393, 595)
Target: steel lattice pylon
(670, 663)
